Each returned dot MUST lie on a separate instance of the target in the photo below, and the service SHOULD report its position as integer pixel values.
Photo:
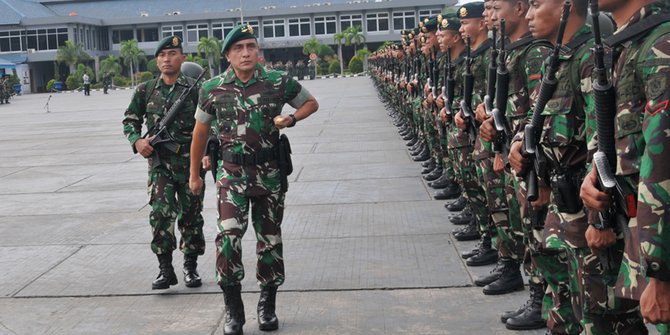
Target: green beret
(170, 42)
(428, 24)
(449, 22)
(471, 10)
(241, 32)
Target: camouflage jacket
(480, 66)
(150, 107)
(641, 78)
(457, 137)
(242, 114)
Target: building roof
(13, 11)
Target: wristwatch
(293, 120)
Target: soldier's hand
(480, 113)
(443, 115)
(487, 131)
(206, 163)
(655, 302)
(460, 121)
(425, 104)
(282, 121)
(593, 198)
(599, 239)
(410, 88)
(195, 183)
(429, 98)
(143, 147)
(440, 102)
(426, 88)
(498, 164)
(544, 193)
(516, 159)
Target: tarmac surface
(367, 250)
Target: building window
(426, 13)
(173, 30)
(221, 29)
(299, 27)
(38, 39)
(147, 34)
(347, 21)
(196, 31)
(119, 36)
(274, 28)
(377, 22)
(325, 25)
(403, 20)
(10, 40)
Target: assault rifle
(468, 87)
(503, 131)
(158, 133)
(604, 160)
(533, 131)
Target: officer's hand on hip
(195, 183)
(593, 198)
(516, 159)
(282, 121)
(144, 147)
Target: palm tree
(71, 54)
(111, 64)
(132, 56)
(339, 38)
(210, 47)
(354, 35)
(312, 47)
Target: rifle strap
(485, 46)
(520, 43)
(637, 30)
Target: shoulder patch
(534, 66)
(656, 85)
(653, 108)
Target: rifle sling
(637, 30)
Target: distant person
(106, 82)
(170, 197)
(87, 84)
(244, 104)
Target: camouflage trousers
(474, 191)
(267, 211)
(487, 227)
(432, 138)
(171, 200)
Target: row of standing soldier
(552, 138)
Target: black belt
(260, 157)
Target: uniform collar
(644, 12)
(181, 81)
(229, 76)
(567, 53)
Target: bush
(50, 85)
(356, 65)
(121, 81)
(145, 76)
(153, 67)
(334, 67)
(73, 82)
(96, 86)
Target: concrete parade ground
(367, 250)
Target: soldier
(106, 82)
(641, 73)
(170, 197)
(245, 104)
(2, 91)
(562, 142)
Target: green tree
(111, 64)
(355, 65)
(196, 59)
(132, 56)
(312, 47)
(153, 67)
(71, 54)
(210, 48)
(354, 35)
(339, 39)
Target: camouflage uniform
(564, 144)
(457, 140)
(243, 114)
(170, 196)
(640, 76)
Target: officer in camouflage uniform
(170, 196)
(5, 92)
(641, 73)
(563, 143)
(245, 103)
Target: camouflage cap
(428, 24)
(449, 22)
(241, 32)
(170, 42)
(471, 10)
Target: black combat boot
(452, 191)
(267, 319)
(429, 167)
(433, 175)
(474, 251)
(468, 233)
(531, 317)
(509, 281)
(166, 276)
(495, 273)
(463, 218)
(426, 163)
(441, 182)
(191, 276)
(232, 297)
(413, 141)
(457, 205)
(486, 254)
